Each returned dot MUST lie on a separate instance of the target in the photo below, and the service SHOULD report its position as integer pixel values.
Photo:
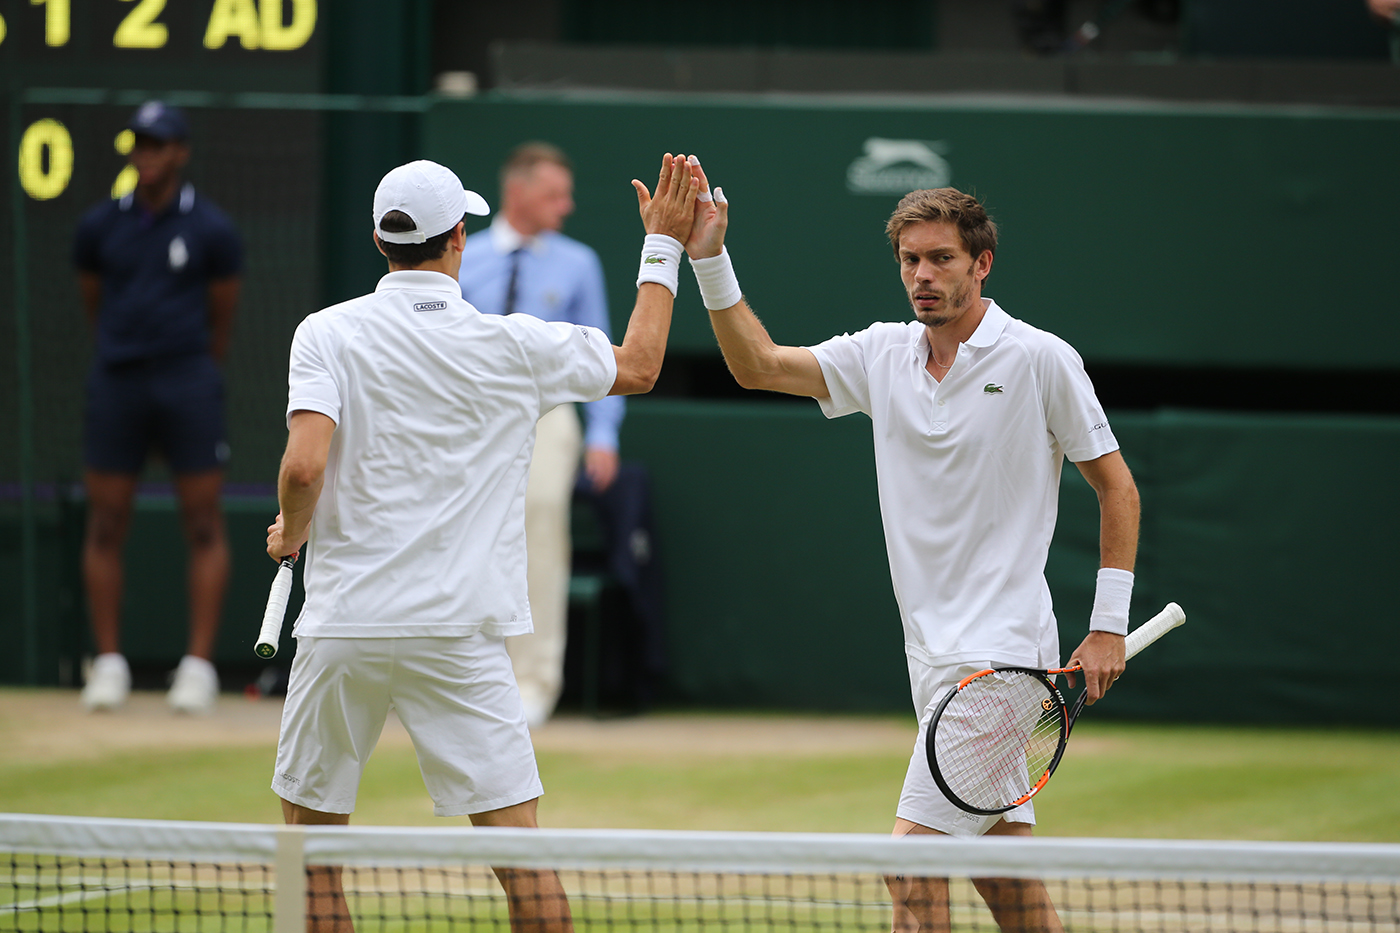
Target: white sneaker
(196, 686)
(108, 682)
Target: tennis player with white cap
(411, 421)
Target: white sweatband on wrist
(661, 261)
(1111, 598)
(719, 289)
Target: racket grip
(1154, 628)
(271, 632)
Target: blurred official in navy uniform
(523, 264)
(159, 275)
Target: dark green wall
(1149, 234)
(1272, 532)
(1277, 535)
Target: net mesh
(65, 874)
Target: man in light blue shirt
(522, 264)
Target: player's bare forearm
(644, 345)
(1102, 654)
(1119, 509)
(222, 301)
(756, 362)
(299, 480)
(298, 504)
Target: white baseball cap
(431, 194)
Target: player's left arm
(299, 480)
(1102, 653)
(222, 301)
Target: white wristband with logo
(661, 261)
(719, 288)
(1111, 598)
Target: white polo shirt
(969, 476)
(420, 527)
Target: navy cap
(160, 121)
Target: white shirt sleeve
(843, 363)
(311, 385)
(1073, 413)
(571, 362)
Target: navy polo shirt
(156, 270)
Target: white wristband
(1111, 598)
(719, 289)
(661, 261)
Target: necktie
(510, 288)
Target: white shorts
(921, 801)
(456, 697)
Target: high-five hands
(672, 210)
(711, 218)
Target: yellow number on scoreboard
(45, 178)
(126, 178)
(139, 30)
(58, 21)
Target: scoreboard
(214, 44)
(144, 45)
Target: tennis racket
(997, 737)
(271, 633)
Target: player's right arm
(754, 359)
(670, 213)
(299, 481)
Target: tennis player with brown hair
(974, 413)
(411, 421)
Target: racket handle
(271, 632)
(1154, 628)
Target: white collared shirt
(420, 527)
(969, 476)
(505, 239)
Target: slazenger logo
(898, 166)
(654, 260)
(430, 306)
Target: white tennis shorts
(921, 800)
(455, 696)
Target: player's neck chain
(934, 356)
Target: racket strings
(997, 737)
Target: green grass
(1147, 781)
(1225, 783)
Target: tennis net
(64, 873)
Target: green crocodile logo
(655, 260)
(992, 389)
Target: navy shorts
(174, 406)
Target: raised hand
(672, 210)
(711, 218)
